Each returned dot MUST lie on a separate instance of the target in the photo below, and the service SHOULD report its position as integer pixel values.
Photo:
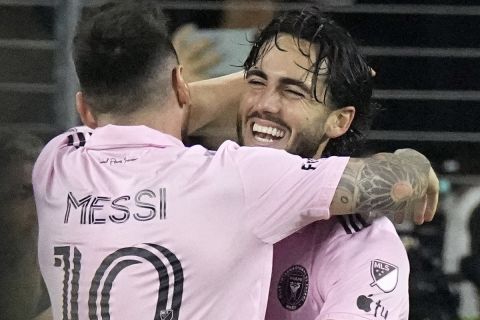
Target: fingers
(415, 211)
(197, 53)
(181, 36)
(424, 208)
(419, 207)
(399, 217)
(432, 194)
(207, 62)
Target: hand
(425, 196)
(424, 208)
(197, 54)
(403, 184)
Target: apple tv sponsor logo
(367, 304)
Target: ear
(180, 86)
(84, 111)
(339, 121)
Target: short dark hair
(119, 52)
(348, 79)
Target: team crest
(293, 287)
(384, 274)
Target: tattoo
(384, 182)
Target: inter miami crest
(293, 287)
(384, 274)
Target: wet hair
(348, 79)
(123, 56)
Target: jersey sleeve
(284, 192)
(367, 279)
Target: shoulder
(72, 139)
(75, 137)
(352, 242)
(372, 261)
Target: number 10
(115, 262)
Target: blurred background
(426, 54)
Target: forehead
(288, 60)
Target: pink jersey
(340, 269)
(134, 225)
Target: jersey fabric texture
(340, 269)
(134, 225)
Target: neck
(161, 119)
(320, 149)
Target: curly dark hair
(348, 78)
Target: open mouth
(266, 134)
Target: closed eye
(255, 82)
(295, 93)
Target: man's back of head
(124, 58)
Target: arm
(215, 104)
(403, 183)
(45, 315)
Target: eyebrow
(256, 72)
(283, 80)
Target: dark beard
(306, 146)
(239, 130)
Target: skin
(275, 94)
(279, 96)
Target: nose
(268, 101)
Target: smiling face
(279, 110)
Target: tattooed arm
(402, 183)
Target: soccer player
(134, 225)
(308, 92)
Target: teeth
(268, 130)
(262, 139)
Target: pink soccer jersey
(134, 225)
(340, 269)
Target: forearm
(215, 101)
(384, 182)
(45, 315)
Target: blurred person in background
(214, 42)
(20, 279)
(470, 264)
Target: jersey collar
(112, 135)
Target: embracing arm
(215, 104)
(45, 315)
(402, 183)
